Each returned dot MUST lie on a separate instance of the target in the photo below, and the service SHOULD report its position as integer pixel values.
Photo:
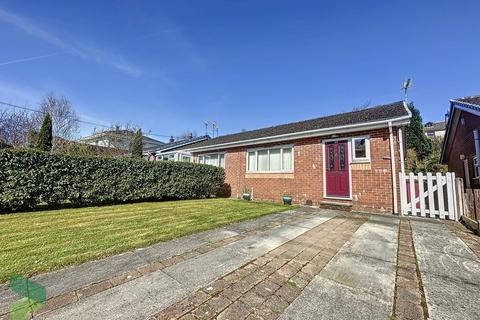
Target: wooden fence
(470, 205)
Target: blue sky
(168, 65)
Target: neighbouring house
(119, 139)
(435, 129)
(461, 147)
(172, 151)
(350, 160)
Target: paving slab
(359, 282)
(140, 298)
(450, 272)
(207, 267)
(325, 299)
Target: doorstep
(336, 205)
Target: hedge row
(29, 178)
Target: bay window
(275, 159)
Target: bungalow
(172, 151)
(120, 139)
(461, 147)
(349, 160)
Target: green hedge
(30, 178)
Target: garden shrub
(29, 178)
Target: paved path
(450, 272)
(302, 264)
(263, 288)
(359, 282)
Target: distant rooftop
(180, 143)
(434, 126)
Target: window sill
(270, 175)
(361, 161)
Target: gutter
(404, 120)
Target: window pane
(186, 158)
(275, 164)
(212, 160)
(251, 161)
(222, 160)
(341, 156)
(287, 159)
(360, 148)
(262, 164)
(331, 156)
(201, 159)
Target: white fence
(429, 195)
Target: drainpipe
(477, 144)
(392, 161)
(402, 157)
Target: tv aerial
(407, 84)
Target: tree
(416, 138)
(45, 136)
(14, 127)
(32, 137)
(137, 144)
(65, 122)
(430, 164)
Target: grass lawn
(36, 242)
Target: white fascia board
(405, 120)
(461, 106)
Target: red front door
(337, 166)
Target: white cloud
(29, 59)
(75, 49)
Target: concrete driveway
(302, 264)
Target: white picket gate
(429, 195)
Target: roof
(180, 143)
(381, 113)
(118, 133)
(470, 104)
(434, 126)
(471, 100)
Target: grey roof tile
(377, 113)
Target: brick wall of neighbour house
(463, 144)
(371, 182)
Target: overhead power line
(78, 120)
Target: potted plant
(246, 195)
(287, 199)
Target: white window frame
(367, 157)
(476, 168)
(217, 154)
(281, 147)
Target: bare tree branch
(64, 118)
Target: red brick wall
(371, 183)
(463, 144)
